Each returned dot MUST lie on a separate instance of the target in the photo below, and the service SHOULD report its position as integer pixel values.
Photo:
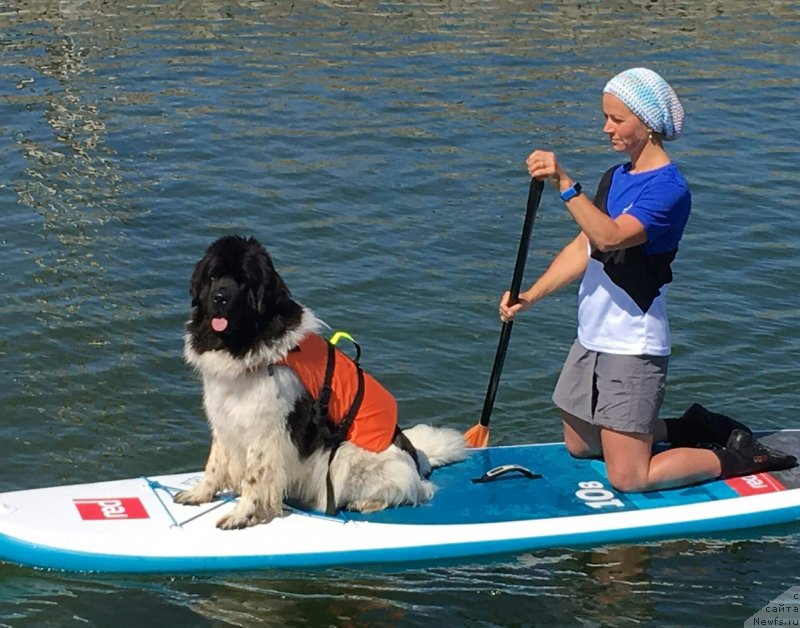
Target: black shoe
(699, 426)
(744, 455)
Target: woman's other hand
(508, 311)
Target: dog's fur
(265, 443)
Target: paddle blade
(477, 436)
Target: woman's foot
(744, 455)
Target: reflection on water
(670, 583)
(376, 148)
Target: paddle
(478, 435)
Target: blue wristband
(571, 193)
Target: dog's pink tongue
(219, 324)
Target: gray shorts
(620, 392)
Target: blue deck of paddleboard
(557, 493)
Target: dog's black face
(238, 298)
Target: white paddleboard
(544, 499)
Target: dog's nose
(220, 297)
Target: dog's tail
(441, 445)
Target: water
(376, 148)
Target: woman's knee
(581, 438)
(628, 480)
(628, 457)
(578, 448)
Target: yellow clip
(338, 335)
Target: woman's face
(627, 133)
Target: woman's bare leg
(581, 438)
(631, 467)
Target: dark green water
(377, 149)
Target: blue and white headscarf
(651, 98)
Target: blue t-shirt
(621, 300)
(659, 199)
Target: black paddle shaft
(534, 196)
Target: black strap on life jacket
(640, 275)
(321, 412)
(402, 441)
(336, 434)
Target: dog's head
(238, 298)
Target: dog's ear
(266, 291)
(273, 295)
(255, 295)
(269, 292)
(198, 279)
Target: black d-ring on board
(505, 469)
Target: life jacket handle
(338, 335)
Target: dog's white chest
(250, 407)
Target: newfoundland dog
(291, 416)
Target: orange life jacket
(375, 422)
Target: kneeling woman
(612, 383)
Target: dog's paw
(194, 496)
(240, 518)
(368, 505)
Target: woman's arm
(604, 232)
(565, 268)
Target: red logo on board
(113, 508)
(755, 484)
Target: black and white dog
(267, 444)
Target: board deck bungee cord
(499, 500)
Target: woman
(612, 382)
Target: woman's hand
(543, 164)
(507, 311)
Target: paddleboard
(501, 499)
